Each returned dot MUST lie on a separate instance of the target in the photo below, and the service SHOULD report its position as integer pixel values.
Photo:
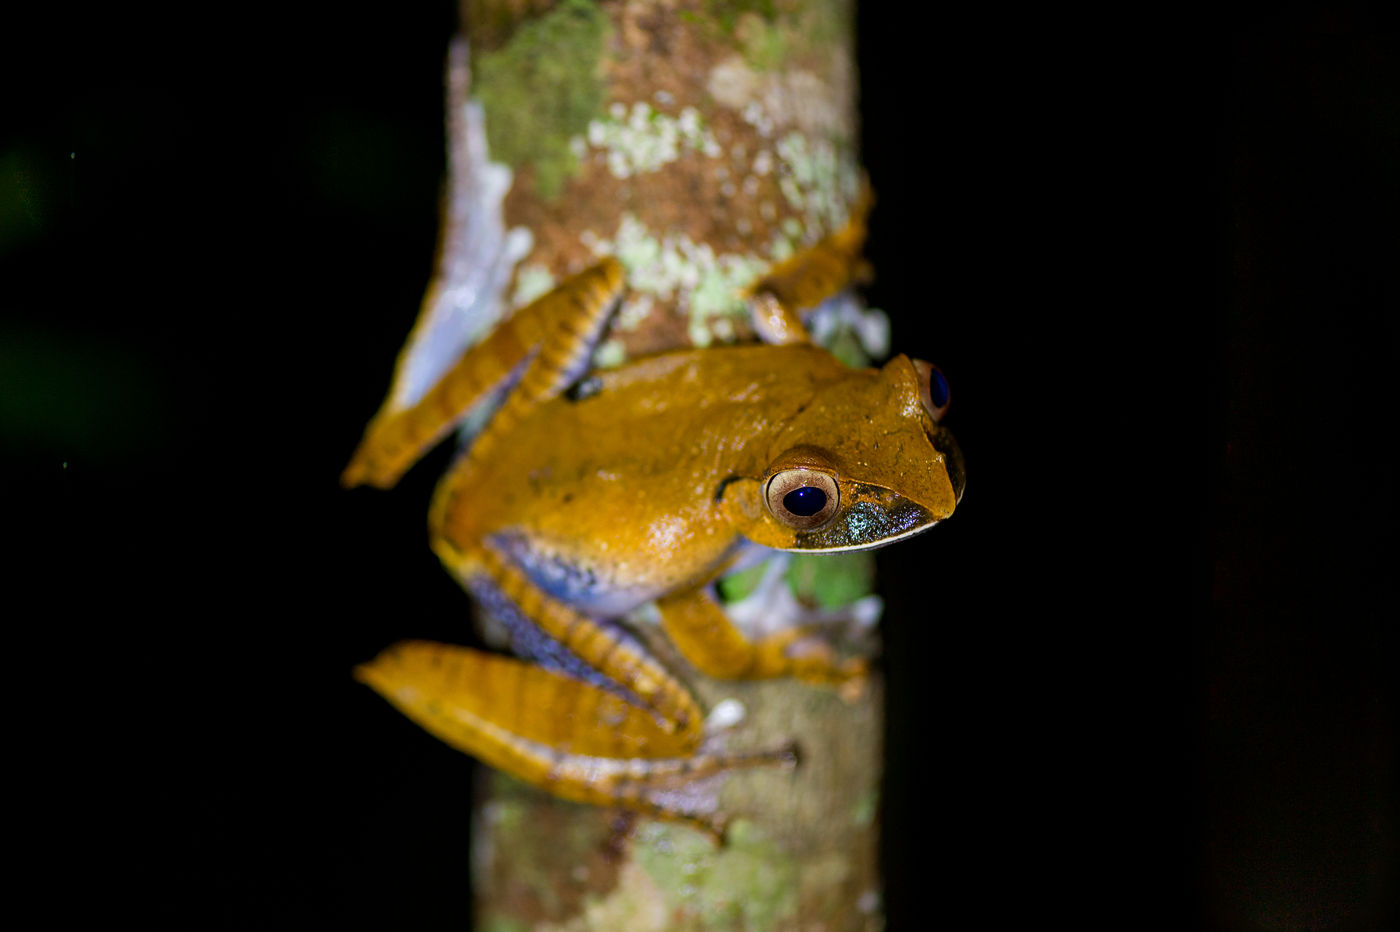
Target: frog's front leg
(571, 738)
(542, 346)
(703, 633)
(808, 278)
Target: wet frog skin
(588, 495)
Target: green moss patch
(832, 580)
(541, 89)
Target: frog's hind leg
(797, 285)
(571, 738)
(546, 330)
(604, 648)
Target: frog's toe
(810, 653)
(848, 676)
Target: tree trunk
(699, 142)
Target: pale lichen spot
(781, 249)
(676, 270)
(818, 182)
(751, 884)
(531, 281)
(725, 715)
(635, 309)
(637, 902)
(698, 334)
(754, 115)
(732, 83)
(609, 354)
(641, 140)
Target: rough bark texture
(699, 141)
(801, 853)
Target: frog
(590, 494)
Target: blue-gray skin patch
(568, 582)
(529, 642)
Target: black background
(1142, 678)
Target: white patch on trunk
(477, 253)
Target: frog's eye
(802, 498)
(933, 389)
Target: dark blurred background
(1143, 678)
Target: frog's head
(863, 464)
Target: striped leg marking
(572, 739)
(543, 347)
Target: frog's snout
(942, 440)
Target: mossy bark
(699, 141)
(801, 852)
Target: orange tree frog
(588, 495)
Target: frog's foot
(701, 630)
(830, 651)
(689, 793)
(807, 653)
(824, 646)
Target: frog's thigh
(511, 714)
(701, 631)
(575, 740)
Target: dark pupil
(805, 502)
(937, 389)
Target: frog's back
(666, 428)
(682, 403)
